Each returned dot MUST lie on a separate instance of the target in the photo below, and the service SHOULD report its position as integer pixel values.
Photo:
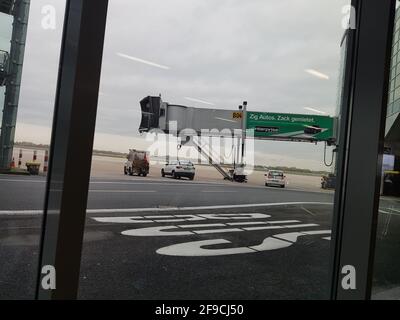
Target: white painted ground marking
(170, 220)
(180, 183)
(260, 222)
(302, 225)
(263, 228)
(205, 225)
(122, 220)
(292, 236)
(160, 216)
(196, 248)
(22, 180)
(271, 243)
(170, 209)
(308, 211)
(396, 212)
(246, 223)
(155, 231)
(120, 191)
(235, 216)
(283, 221)
(181, 218)
(148, 182)
(160, 231)
(190, 217)
(219, 191)
(217, 231)
(162, 182)
(20, 212)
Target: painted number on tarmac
(228, 223)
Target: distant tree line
(31, 145)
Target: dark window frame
(367, 62)
(364, 104)
(72, 145)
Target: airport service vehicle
(328, 182)
(137, 163)
(238, 174)
(178, 169)
(275, 178)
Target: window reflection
(386, 278)
(218, 227)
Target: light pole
(244, 124)
(238, 139)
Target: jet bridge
(173, 119)
(189, 123)
(183, 120)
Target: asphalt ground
(167, 239)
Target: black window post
(71, 145)
(361, 146)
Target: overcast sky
(219, 51)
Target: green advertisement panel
(285, 126)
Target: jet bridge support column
(13, 84)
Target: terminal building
(391, 159)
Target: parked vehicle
(137, 164)
(275, 178)
(178, 169)
(238, 174)
(328, 182)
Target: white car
(178, 169)
(275, 178)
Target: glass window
(396, 94)
(220, 230)
(29, 87)
(393, 84)
(391, 97)
(390, 109)
(386, 275)
(396, 106)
